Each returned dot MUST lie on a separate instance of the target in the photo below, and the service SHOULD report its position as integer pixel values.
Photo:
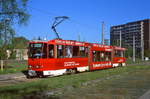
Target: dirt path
(10, 79)
(146, 95)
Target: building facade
(20, 54)
(126, 33)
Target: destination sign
(70, 42)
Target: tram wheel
(71, 71)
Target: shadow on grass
(25, 72)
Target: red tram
(58, 57)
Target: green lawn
(130, 85)
(74, 80)
(137, 61)
(14, 67)
(17, 66)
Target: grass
(130, 61)
(130, 85)
(75, 80)
(14, 67)
(137, 61)
(18, 66)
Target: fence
(6, 64)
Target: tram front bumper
(32, 73)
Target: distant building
(139, 29)
(106, 41)
(20, 54)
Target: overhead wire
(51, 14)
(54, 15)
(48, 13)
(43, 11)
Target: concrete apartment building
(140, 30)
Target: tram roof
(68, 42)
(119, 48)
(76, 43)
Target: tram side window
(123, 53)
(94, 56)
(68, 51)
(51, 51)
(98, 56)
(82, 51)
(118, 53)
(102, 56)
(44, 51)
(60, 51)
(75, 51)
(107, 56)
(86, 52)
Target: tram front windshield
(119, 53)
(36, 50)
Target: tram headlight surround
(29, 66)
(37, 66)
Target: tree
(129, 51)
(15, 10)
(11, 12)
(147, 53)
(6, 33)
(19, 43)
(115, 42)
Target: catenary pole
(120, 38)
(142, 43)
(102, 33)
(133, 48)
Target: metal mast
(57, 21)
(102, 33)
(133, 48)
(120, 37)
(142, 42)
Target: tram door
(89, 58)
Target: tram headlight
(29, 66)
(37, 66)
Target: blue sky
(85, 17)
